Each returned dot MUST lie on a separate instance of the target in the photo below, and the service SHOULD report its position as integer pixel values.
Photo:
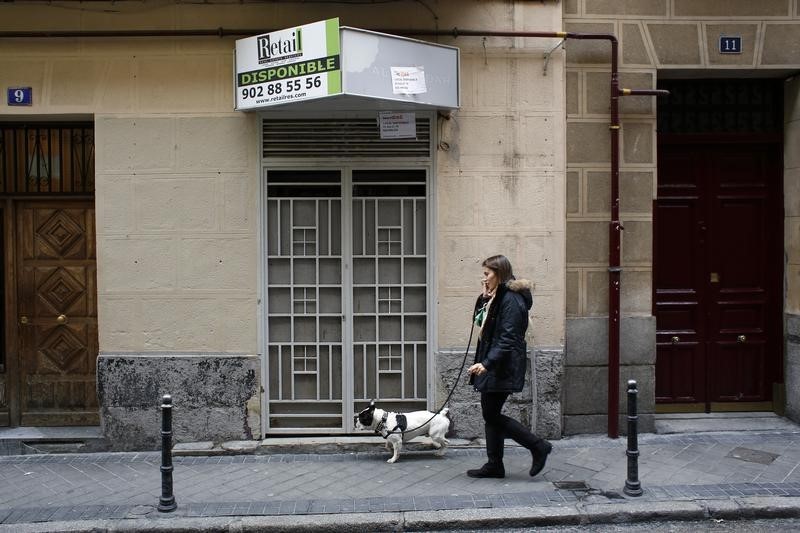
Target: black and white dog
(398, 428)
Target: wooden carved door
(56, 312)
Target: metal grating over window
(46, 158)
(359, 137)
(721, 106)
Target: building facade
(275, 270)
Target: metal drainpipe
(615, 226)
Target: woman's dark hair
(501, 267)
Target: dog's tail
(445, 412)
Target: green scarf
(481, 315)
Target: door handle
(741, 338)
(61, 319)
(714, 277)
(676, 340)
(23, 320)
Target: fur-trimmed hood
(518, 285)
(524, 288)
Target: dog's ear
(372, 405)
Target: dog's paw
(391, 460)
(440, 452)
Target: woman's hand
(486, 293)
(476, 370)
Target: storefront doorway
(347, 292)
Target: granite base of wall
(538, 406)
(586, 373)
(792, 368)
(215, 398)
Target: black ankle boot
(488, 470)
(540, 452)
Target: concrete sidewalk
(684, 476)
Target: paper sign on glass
(408, 80)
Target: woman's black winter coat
(501, 348)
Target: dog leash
(452, 390)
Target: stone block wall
(214, 398)
(176, 176)
(588, 213)
(501, 190)
(586, 373)
(177, 181)
(176, 233)
(656, 37)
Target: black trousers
(500, 427)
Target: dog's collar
(380, 429)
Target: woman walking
(501, 313)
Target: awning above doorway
(324, 66)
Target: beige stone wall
(588, 179)
(176, 232)
(791, 193)
(501, 185)
(177, 169)
(654, 35)
(175, 177)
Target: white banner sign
(397, 125)
(289, 65)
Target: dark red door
(717, 264)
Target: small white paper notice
(408, 80)
(397, 125)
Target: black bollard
(166, 503)
(632, 485)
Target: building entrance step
(715, 422)
(39, 440)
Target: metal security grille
(357, 137)
(721, 106)
(390, 287)
(304, 299)
(346, 311)
(46, 158)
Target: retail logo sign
(295, 64)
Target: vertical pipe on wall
(614, 268)
(614, 239)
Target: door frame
(343, 164)
(774, 312)
(13, 364)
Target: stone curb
(579, 514)
(306, 445)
